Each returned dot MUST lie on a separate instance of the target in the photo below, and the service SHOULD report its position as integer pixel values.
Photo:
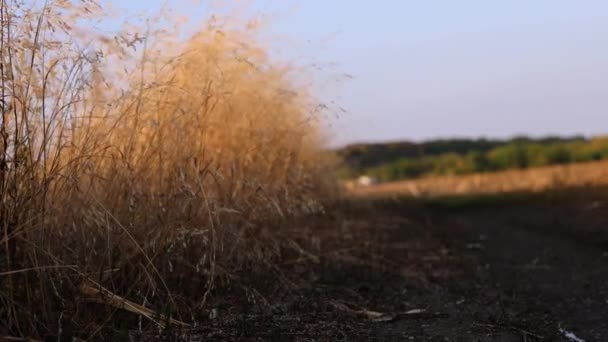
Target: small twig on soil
(521, 331)
(372, 315)
(101, 295)
(385, 317)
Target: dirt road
(534, 270)
(545, 283)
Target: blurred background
(429, 69)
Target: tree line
(405, 160)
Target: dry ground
(489, 268)
(508, 267)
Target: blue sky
(423, 69)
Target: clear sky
(424, 69)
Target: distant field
(529, 180)
(389, 162)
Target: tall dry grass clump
(138, 172)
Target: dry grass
(149, 168)
(530, 180)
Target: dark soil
(492, 269)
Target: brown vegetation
(529, 180)
(139, 172)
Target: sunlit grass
(139, 166)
